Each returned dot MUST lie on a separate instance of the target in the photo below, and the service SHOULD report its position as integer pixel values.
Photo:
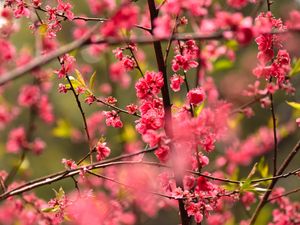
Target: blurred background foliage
(231, 78)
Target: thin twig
(284, 194)
(43, 60)
(265, 197)
(136, 62)
(76, 96)
(129, 186)
(251, 102)
(85, 18)
(170, 41)
(85, 40)
(117, 108)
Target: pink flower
(90, 99)
(95, 123)
(238, 4)
(111, 100)
(188, 182)
(248, 199)
(149, 85)
(45, 110)
(283, 58)
(128, 63)
(7, 51)
(118, 52)
(65, 8)
(183, 62)
(97, 7)
(102, 151)
(68, 63)
(29, 95)
(196, 96)
(38, 146)
(69, 164)
(62, 88)
(176, 81)
(125, 18)
(36, 3)
(113, 119)
(21, 10)
(294, 20)
(132, 109)
(298, 122)
(152, 116)
(118, 74)
(162, 153)
(151, 137)
(163, 26)
(16, 140)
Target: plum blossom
(102, 151)
(195, 96)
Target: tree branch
(265, 197)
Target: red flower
(195, 96)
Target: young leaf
(198, 109)
(223, 64)
(60, 193)
(51, 209)
(75, 83)
(62, 130)
(80, 77)
(252, 172)
(128, 134)
(43, 29)
(92, 81)
(295, 69)
(295, 105)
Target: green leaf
(63, 129)
(252, 172)
(232, 44)
(223, 64)
(246, 185)
(263, 168)
(128, 134)
(92, 81)
(295, 69)
(60, 193)
(43, 29)
(198, 109)
(80, 77)
(295, 105)
(50, 209)
(75, 83)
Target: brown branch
(71, 173)
(117, 108)
(170, 41)
(62, 174)
(251, 102)
(87, 19)
(76, 96)
(129, 186)
(85, 40)
(42, 60)
(284, 194)
(115, 162)
(136, 61)
(274, 125)
(185, 219)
